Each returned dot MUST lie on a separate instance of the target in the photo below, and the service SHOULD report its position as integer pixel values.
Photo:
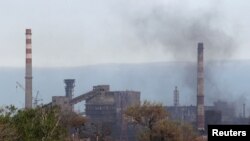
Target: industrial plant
(199, 115)
(105, 108)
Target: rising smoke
(176, 29)
(171, 26)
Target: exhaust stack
(200, 90)
(28, 71)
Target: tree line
(51, 124)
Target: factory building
(188, 113)
(104, 108)
(63, 102)
(200, 115)
(221, 112)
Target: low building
(63, 102)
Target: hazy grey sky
(84, 32)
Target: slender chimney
(28, 71)
(200, 90)
(244, 110)
(176, 97)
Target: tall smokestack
(28, 71)
(176, 97)
(200, 90)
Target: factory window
(99, 107)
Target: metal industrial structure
(107, 107)
(200, 90)
(244, 111)
(221, 112)
(36, 99)
(103, 107)
(192, 113)
(28, 71)
(201, 115)
(69, 88)
(176, 97)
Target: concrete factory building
(103, 108)
(106, 110)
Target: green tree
(165, 130)
(40, 124)
(153, 121)
(187, 132)
(146, 115)
(73, 123)
(7, 130)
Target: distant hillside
(225, 80)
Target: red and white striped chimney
(200, 90)
(28, 71)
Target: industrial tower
(176, 97)
(69, 88)
(200, 90)
(28, 71)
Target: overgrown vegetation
(50, 124)
(152, 120)
(40, 124)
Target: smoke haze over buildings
(81, 33)
(156, 81)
